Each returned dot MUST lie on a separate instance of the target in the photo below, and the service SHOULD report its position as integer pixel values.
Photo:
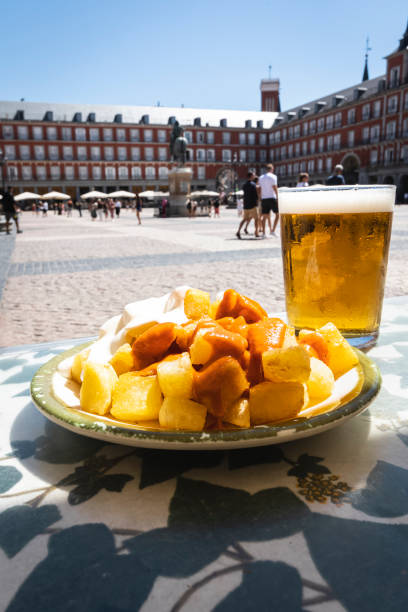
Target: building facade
(364, 128)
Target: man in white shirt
(268, 184)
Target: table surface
(316, 524)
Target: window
(107, 134)
(282, 170)
(82, 154)
(329, 122)
(311, 165)
(190, 154)
(22, 132)
(148, 154)
(251, 138)
(392, 104)
(290, 150)
(350, 138)
(150, 172)
(80, 134)
(12, 173)
(94, 134)
(39, 152)
(337, 141)
(135, 153)
(210, 155)
(55, 173)
(395, 77)
(226, 138)
(329, 164)
(312, 126)
(108, 153)
(163, 172)
(303, 166)
(10, 151)
(200, 137)
(391, 129)
(242, 138)
(26, 173)
(123, 172)
(305, 128)
(251, 155)
(134, 135)
(69, 173)
(296, 131)
(200, 155)
(284, 132)
(37, 132)
(320, 124)
(163, 154)
(8, 132)
(242, 155)
(277, 136)
(312, 146)
(404, 154)
(366, 135)
(337, 120)
(375, 133)
(97, 173)
(373, 157)
(51, 133)
(262, 139)
(210, 137)
(40, 173)
(283, 152)
(405, 128)
(53, 152)
(271, 138)
(304, 147)
(201, 172)
(262, 155)
(330, 143)
(120, 134)
(377, 108)
(406, 101)
(66, 133)
(321, 144)
(297, 149)
(366, 112)
(83, 173)
(320, 165)
(122, 154)
(95, 153)
(136, 172)
(226, 155)
(289, 169)
(24, 152)
(162, 135)
(110, 173)
(296, 168)
(389, 156)
(290, 132)
(351, 116)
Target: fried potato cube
(96, 389)
(238, 413)
(341, 356)
(122, 360)
(153, 344)
(196, 304)
(136, 398)
(270, 402)
(176, 376)
(200, 350)
(321, 381)
(78, 364)
(290, 337)
(290, 364)
(220, 384)
(213, 309)
(182, 413)
(185, 334)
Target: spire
(368, 48)
(404, 40)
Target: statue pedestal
(179, 188)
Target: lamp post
(3, 167)
(234, 177)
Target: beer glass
(335, 244)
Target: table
(316, 524)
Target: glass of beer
(335, 244)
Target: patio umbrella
(55, 195)
(161, 194)
(204, 194)
(94, 194)
(27, 195)
(121, 194)
(147, 194)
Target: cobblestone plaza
(64, 276)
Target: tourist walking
(268, 184)
(250, 204)
(138, 208)
(10, 210)
(45, 208)
(337, 177)
(118, 206)
(303, 180)
(99, 207)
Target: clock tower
(270, 95)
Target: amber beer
(335, 244)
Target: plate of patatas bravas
(185, 372)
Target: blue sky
(209, 54)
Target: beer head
(337, 200)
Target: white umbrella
(55, 195)
(27, 195)
(161, 194)
(121, 194)
(94, 194)
(147, 194)
(204, 194)
(238, 193)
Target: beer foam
(327, 200)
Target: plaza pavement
(64, 276)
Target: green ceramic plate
(351, 402)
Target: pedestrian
(268, 184)
(250, 204)
(303, 180)
(10, 210)
(99, 208)
(69, 208)
(79, 207)
(163, 207)
(188, 206)
(118, 206)
(45, 208)
(92, 210)
(217, 207)
(337, 177)
(138, 208)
